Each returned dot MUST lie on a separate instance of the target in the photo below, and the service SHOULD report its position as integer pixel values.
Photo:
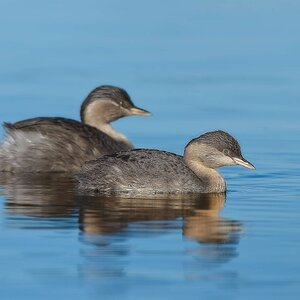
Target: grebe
(146, 171)
(63, 145)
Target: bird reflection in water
(200, 215)
(107, 223)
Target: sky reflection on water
(198, 66)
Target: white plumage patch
(20, 145)
(19, 142)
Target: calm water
(198, 66)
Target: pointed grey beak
(243, 162)
(136, 111)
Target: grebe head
(216, 149)
(108, 103)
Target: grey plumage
(63, 145)
(220, 140)
(146, 171)
(114, 94)
(139, 169)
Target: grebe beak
(136, 111)
(243, 162)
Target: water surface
(198, 66)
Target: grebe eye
(226, 151)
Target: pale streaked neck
(212, 180)
(117, 136)
(95, 117)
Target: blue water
(198, 66)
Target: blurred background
(197, 65)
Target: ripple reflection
(107, 225)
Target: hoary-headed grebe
(63, 145)
(145, 171)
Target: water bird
(143, 172)
(58, 144)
